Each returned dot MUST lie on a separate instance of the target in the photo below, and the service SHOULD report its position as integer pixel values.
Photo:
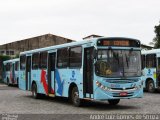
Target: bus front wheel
(150, 86)
(75, 97)
(114, 101)
(34, 91)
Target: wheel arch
(73, 84)
(34, 82)
(147, 80)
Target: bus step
(51, 95)
(89, 99)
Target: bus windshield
(118, 63)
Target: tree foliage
(4, 57)
(156, 39)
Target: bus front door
(28, 73)
(158, 72)
(51, 73)
(88, 72)
(13, 74)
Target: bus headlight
(98, 83)
(136, 87)
(140, 86)
(101, 86)
(142, 82)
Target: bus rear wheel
(75, 97)
(114, 101)
(150, 86)
(34, 91)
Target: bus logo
(73, 76)
(149, 72)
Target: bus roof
(151, 51)
(77, 43)
(11, 60)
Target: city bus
(151, 69)
(11, 71)
(105, 68)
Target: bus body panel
(63, 78)
(22, 81)
(113, 89)
(39, 76)
(149, 73)
(151, 67)
(11, 71)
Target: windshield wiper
(127, 60)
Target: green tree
(4, 57)
(156, 39)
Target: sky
(75, 19)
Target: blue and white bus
(98, 69)
(10, 71)
(151, 69)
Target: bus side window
(143, 61)
(75, 57)
(22, 62)
(151, 60)
(16, 66)
(62, 58)
(43, 60)
(158, 65)
(35, 61)
(8, 67)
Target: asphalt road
(15, 101)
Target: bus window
(8, 67)
(22, 62)
(75, 57)
(62, 58)
(150, 60)
(158, 65)
(43, 60)
(143, 61)
(16, 66)
(35, 61)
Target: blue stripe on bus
(60, 83)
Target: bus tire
(34, 91)
(17, 82)
(150, 86)
(113, 101)
(75, 97)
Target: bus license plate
(123, 94)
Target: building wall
(33, 43)
(30, 44)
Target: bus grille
(122, 88)
(118, 94)
(122, 81)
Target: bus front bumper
(100, 94)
